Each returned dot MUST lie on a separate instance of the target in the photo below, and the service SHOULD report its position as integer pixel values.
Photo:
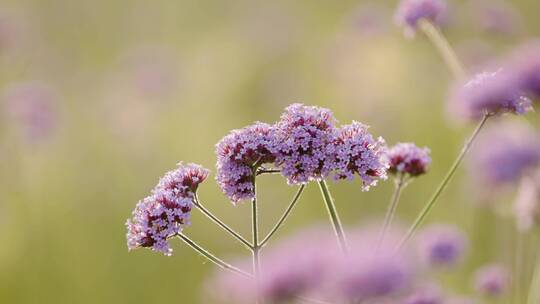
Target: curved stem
(444, 183)
(284, 216)
(212, 258)
(444, 48)
(334, 216)
(221, 223)
(400, 183)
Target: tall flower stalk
(399, 185)
(334, 216)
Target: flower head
(504, 152)
(407, 158)
(238, 153)
(304, 138)
(409, 12)
(525, 64)
(441, 245)
(491, 93)
(166, 211)
(358, 153)
(492, 280)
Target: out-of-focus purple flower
(425, 296)
(504, 152)
(357, 152)
(166, 211)
(407, 158)
(237, 155)
(374, 272)
(31, 106)
(442, 245)
(527, 202)
(294, 267)
(492, 93)
(525, 65)
(496, 17)
(304, 138)
(492, 280)
(409, 12)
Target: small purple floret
(358, 153)
(304, 138)
(492, 280)
(238, 153)
(407, 158)
(442, 245)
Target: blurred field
(141, 85)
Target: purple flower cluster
(305, 137)
(441, 245)
(492, 280)
(407, 158)
(305, 145)
(491, 93)
(166, 211)
(525, 66)
(504, 153)
(409, 12)
(357, 152)
(322, 271)
(238, 155)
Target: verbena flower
(491, 93)
(238, 153)
(358, 153)
(442, 245)
(407, 158)
(504, 152)
(527, 202)
(371, 272)
(492, 280)
(284, 277)
(304, 138)
(166, 211)
(409, 12)
(31, 106)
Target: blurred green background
(141, 85)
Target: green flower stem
(443, 47)
(399, 185)
(255, 234)
(284, 216)
(212, 258)
(221, 224)
(334, 216)
(444, 183)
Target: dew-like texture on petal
(237, 154)
(166, 211)
(304, 138)
(407, 158)
(409, 12)
(31, 106)
(527, 202)
(492, 280)
(357, 153)
(495, 92)
(441, 245)
(503, 153)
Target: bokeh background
(133, 87)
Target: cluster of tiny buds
(166, 211)
(407, 158)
